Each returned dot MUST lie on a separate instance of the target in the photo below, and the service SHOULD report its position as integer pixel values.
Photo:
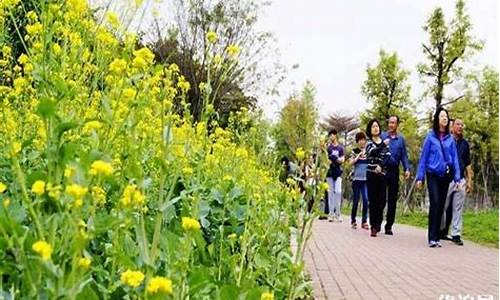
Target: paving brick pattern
(347, 263)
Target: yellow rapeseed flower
(38, 187)
(211, 37)
(300, 154)
(112, 19)
(142, 58)
(233, 50)
(159, 284)
(129, 93)
(324, 186)
(187, 171)
(69, 172)
(190, 224)
(23, 59)
(56, 49)
(54, 190)
(132, 196)
(132, 278)
(6, 202)
(16, 148)
(91, 125)
(99, 195)
(267, 296)
(76, 191)
(100, 167)
(3, 187)
(84, 262)
(118, 66)
(43, 249)
(34, 29)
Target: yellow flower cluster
(43, 249)
(233, 50)
(189, 224)
(132, 278)
(3, 187)
(211, 37)
(159, 284)
(132, 196)
(267, 296)
(84, 262)
(100, 167)
(38, 187)
(143, 58)
(77, 192)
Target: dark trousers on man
(438, 189)
(392, 179)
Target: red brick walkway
(349, 264)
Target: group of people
(444, 162)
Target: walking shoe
(456, 239)
(388, 232)
(365, 226)
(323, 217)
(432, 244)
(374, 232)
(330, 219)
(438, 243)
(354, 225)
(339, 219)
(445, 237)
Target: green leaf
(46, 108)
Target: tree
(386, 88)
(479, 111)
(297, 126)
(344, 124)
(448, 46)
(232, 81)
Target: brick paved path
(349, 264)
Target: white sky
(332, 41)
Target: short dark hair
(435, 124)
(332, 131)
(395, 116)
(369, 127)
(360, 136)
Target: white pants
(457, 198)
(334, 196)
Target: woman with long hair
(439, 164)
(378, 155)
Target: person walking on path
(360, 163)
(454, 204)
(336, 156)
(399, 155)
(439, 163)
(378, 155)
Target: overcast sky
(332, 41)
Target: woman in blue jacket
(439, 163)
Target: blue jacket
(432, 160)
(397, 146)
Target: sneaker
(456, 239)
(354, 225)
(438, 243)
(339, 219)
(373, 232)
(388, 232)
(432, 244)
(323, 217)
(365, 226)
(330, 219)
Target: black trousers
(377, 187)
(392, 178)
(438, 189)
